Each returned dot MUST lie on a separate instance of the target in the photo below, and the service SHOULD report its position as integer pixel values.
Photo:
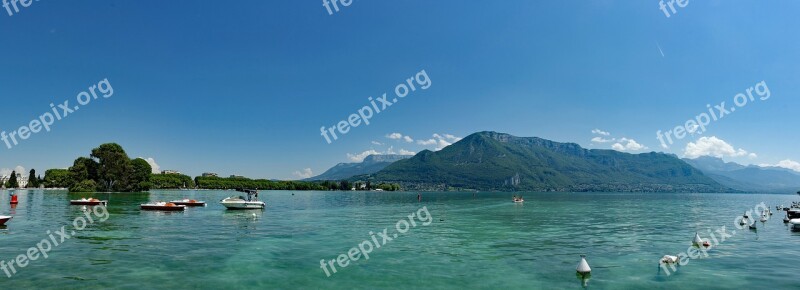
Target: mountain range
(498, 161)
(748, 178)
(370, 165)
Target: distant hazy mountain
(496, 161)
(748, 178)
(370, 165)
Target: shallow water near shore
(480, 240)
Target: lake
(475, 241)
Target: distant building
(237, 176)
(21, 180)
(170, 172)
(210, 174)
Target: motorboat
(242, 203)
(189, 202)
(4, 219)
(251, 202)
(519, 200)
(163, 206)
(793, 215)
(88, 201)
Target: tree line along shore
(109, 169)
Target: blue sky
(243, 88)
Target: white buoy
(583, 266)
(670, 259)
(697, 240)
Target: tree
(84, 186)
(138, 178)
(12, 182)
(344, 185)
(32, 181)
(57, 178)
(113, 166)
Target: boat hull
(244, 205)
(90, 203)
(4, 220)
(189, 203)
(163, 208)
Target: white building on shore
(22, 176)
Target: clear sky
(243, 87)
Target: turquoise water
(483, 241)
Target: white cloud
(788, 164)
(626, 144)
(399, 136)
(600, 132)
(359, 157)
(156, 168)
(427, 142)
(451, 137)
(599, 139)
(713, 146)
(306, 173)
(5, 172)
(440, 141)
(377, 143)
(395, 136)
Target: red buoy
(14, 199)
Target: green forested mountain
(497, 161)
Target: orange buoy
(14, 199)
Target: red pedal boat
(88, 201)
(189, 202)
(163, 206)
(4, 219)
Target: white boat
(795, 224)
(4, 219)
(241, 203)
(793, 215)
(251, 202)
